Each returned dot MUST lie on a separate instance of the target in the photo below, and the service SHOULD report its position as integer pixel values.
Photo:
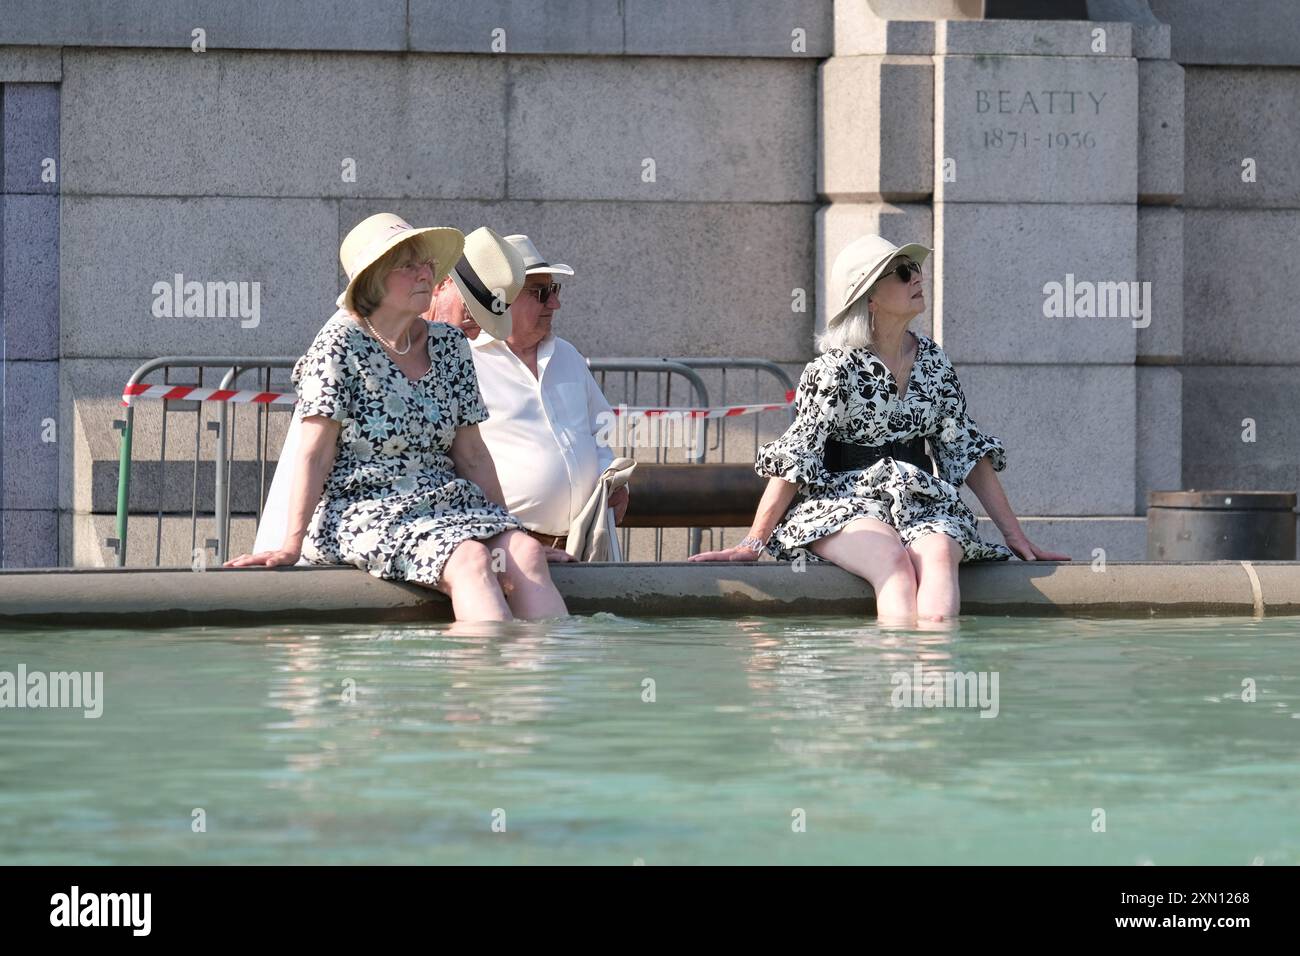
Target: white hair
(853, 331)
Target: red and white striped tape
(728, 411)
(190, 393)
(193, 394)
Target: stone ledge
(31, 64)
(151, 598)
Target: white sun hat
(534, 261)
(859, 265)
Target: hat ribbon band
(481, 293)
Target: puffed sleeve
(797, 455)
(321, 377)
(470, 407)
(960, 444)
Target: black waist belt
(847, 456)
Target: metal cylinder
(1221, 526)
(693, 496)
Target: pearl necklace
(392, 346)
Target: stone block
(246, 124)
(1159, 432)
(1239, 429)
(91, 391)
(753, 28)
(30, 64)
(909, 10)
(1160, 262)
(1160, 131)
(31, 538)
(30, 276)
(877, 129)
(1048, 129)
(857, 34)
(1069, 432)
(994, 267)
(657, 279)
(1240, 291)
(1121, 538)
(31, 435)
(500, 26)
(170, 543)
(1263, 32)
(120, 257)
(841, 223)
(702, 129)
(1151, 41)
(228, 24)
(1243, 144)
(1150, 36)
(31, 137)
(1038, 38)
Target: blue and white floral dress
(851, 396)
(392, 503)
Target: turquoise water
(768, 741)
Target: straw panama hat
(489, 276)
(534, 261)
(371, 238)
(859, 265)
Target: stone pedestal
(1040, 167)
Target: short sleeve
(959, 443)
(469, 406)
(321, 378)
(797, 455)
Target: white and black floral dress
(851, 396)
(392, 503)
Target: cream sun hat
(859, 265)
(371, 238)
(489, 276)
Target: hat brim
(442, 244)
(917, 252)
(497, 326)
(556, 268)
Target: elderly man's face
(449, 307)
(530, 315)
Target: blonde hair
(854, 331)
(372, 286)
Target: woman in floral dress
(850, 481)
(392, 475)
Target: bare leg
(526, 580)
(935, 558)
(872, 550)
(468, 578)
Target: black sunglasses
(903, 270)
(543, 292)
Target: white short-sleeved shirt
(542, 432)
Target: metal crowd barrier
(170, 364)
(634, 382)
(658, 393)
